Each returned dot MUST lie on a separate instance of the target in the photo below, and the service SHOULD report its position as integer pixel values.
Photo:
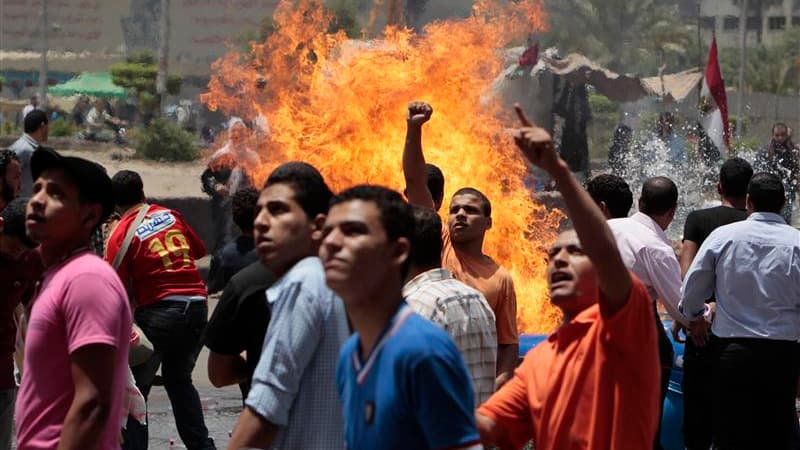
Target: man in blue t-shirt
(401, 379)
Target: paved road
(221, 407)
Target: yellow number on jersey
(176, 246)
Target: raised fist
(418, 113)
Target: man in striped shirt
(463, 312)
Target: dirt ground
(161, 179)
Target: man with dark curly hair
(240, 252)
(10, 177)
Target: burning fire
(340, 105)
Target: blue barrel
(672, 414)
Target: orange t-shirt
(491, 280)
(592, 385)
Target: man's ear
(2, 224)
(402, 250)
(316, 226)
(604, 208)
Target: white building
(766, 21)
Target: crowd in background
(359, 319)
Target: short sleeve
(93, 312)
(290, 344)
(632, 327)
(691, 229)
(442, 400)
(509, 406)
(224, 332)
(506, 313)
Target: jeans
(175, 329)
(7, 397)
(755, 382)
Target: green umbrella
(97, 84)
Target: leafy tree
(774, 69)
(627, 36)
(138, 74)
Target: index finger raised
(521, 114)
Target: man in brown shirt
(469, 218)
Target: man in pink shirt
(76, 349)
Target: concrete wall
(196, 211)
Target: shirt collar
(647, 221)
(429, 276)
(302, 266)
(30, 139)
(766, 217)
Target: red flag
(531, 55)
(716, 122)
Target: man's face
(283, 232)
(466, 221)
(12, 180)
(356, 252)
(55, 213)
(570, 275)
(780, 135)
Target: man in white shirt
(32, 106)
(648, 253)
(752, 269)
(433, 293)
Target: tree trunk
(43, 66)
(742, 61)
(163, 55)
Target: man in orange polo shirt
(593, 384)
(468, 220)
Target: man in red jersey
(170, 302)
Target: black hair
(127, 187)
(34, 120)
(766, 193)
(243, 207)
(397, 216)
(614, 192)
(659, 195)
(426, 246)
(6, 156)
(487, 205)
(435, 183)
(734, 176)
(14, 220)
(310, 190)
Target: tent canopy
(675, 87)
(95, 84)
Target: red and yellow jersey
(160, 260)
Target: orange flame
(340, 105)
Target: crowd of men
(358, 319)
